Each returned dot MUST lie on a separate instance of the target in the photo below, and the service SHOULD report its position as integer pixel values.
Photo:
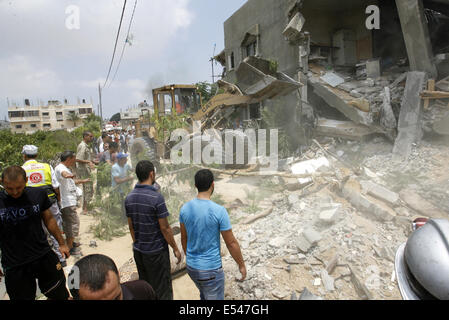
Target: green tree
(207, 90)
(116, 117)
(73, 116)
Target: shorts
(70, 222)
(20, 281)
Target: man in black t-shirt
(26, 254)
(95, 277)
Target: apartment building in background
(53, 116)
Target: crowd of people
(39, 228)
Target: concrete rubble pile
(356, 88)
(336, 237)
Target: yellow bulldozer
(256, 81)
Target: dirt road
(120, 250)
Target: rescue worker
(41, 175)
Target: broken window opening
(231, 61)
(251, 49)
(254, 111)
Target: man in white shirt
(104, 139)
(130, 139)
(67, 187)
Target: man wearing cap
(41, 175)
(84, 165)
(120, 173)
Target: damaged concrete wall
(271, 16)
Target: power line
(124, 44)
(116, 41)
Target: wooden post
(430, 87)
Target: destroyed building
(356, 75)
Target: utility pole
(213, 73)
(101, 107)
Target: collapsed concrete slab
(328, 281)
(409, 126)
(371, 207)
(419, 204)
(293, 30)
(343, 129)
(340, 100)
(380, 192)
(258, 79)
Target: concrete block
(312, 235)
(276, 242)
(373, 68)
(360, 288)
(303, 244)
(307, 239)
(328, 281)
(309, 166)
(410, 117)
(380, 192)
(329, 216)
(373, 208)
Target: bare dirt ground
(120, 250)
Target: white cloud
(37, 27)
(24, 78)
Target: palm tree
(73, 116)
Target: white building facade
(53, 116)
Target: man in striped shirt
(151, 233)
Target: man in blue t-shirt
(202, 221)
(120, 173)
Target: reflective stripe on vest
(39, 175)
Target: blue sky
(41, 59)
